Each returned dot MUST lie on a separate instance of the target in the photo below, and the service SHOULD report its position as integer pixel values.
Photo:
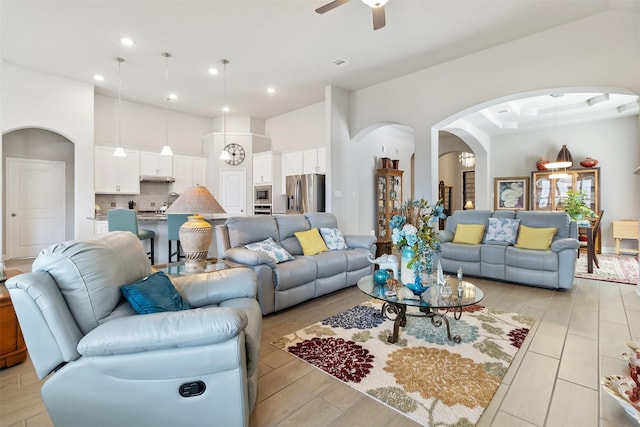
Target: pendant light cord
(224, 107)
(120, 61)
(166, 101)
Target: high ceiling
(283, 44)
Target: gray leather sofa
(289, 283)
(553, 268)
(108, 366)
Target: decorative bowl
(588, 162)
(417, 289)
(612, 385)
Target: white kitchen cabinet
(116, 175)
(266, 167)
(292, 163)
(314, 160)
(155, 164)
(188, 171)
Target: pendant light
(225, 109)
(166, 150)
(119, 152)
(468, 160)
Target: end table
(12, 347)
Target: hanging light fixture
(468, 160)
(119, 152)
(563, 160)
(225, 109)
(166, 150)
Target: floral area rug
(613, 268)
(426, 377)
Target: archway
(42, 144)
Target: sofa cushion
(288, 225)
(541, 219)
(535, 238)
(330, 263)
(470, 234)
(154, 294)
(248, 229)
(89, 273)
(295, 273)
(502, 230)
(322, 219)
(311, 242)
(529, 259)
(333, 238)
(270, 248)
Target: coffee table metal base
(397, 312)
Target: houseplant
(413, 233)
(574, 205)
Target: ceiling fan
(376, 5)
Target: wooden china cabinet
(388, 203)
(548, 194)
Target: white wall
(31, 99)
(579, 54)
(299, 129)
(143, 126)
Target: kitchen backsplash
(152, 196)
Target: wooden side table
(12, 347)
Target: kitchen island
(157, 222)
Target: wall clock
(236, 152)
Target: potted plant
(574, 205)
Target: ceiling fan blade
(332, 5)
(378, 18)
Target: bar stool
(126, 220)
(174, 221)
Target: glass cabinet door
(542, 197)
(562, 185)
(587, 182)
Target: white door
(233, 191)
(35, 205)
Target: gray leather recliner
(108, 366)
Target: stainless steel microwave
(262, 195)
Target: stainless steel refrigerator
(305, 193)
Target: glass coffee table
(177, 269)
(433, 304)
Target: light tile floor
(554, 380)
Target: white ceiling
(283, 44)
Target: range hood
(156, 178)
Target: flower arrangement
(414, 227)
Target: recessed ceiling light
(98, 77)
(172, 97)
(126, 41)
(213, 71)
(271, 90)
(225, 109)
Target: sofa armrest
(360, 241)
(217, 286)
(245, 256)
(566, 243)
(161, 331)
(445, 236)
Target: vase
(588, 162)
(407, 275)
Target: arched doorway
(38, 210)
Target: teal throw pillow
(502, 230)
(154, 294)
(333, 238)
(271, 248)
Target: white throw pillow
(271, 248)
(502, 230)
(333, 238)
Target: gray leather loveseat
(502, 260)
(108, 366)
(284, 284)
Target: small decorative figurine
(386, 262)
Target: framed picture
(511, 193)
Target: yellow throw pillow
(470, 234)
(535, 238)
(311, 242)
